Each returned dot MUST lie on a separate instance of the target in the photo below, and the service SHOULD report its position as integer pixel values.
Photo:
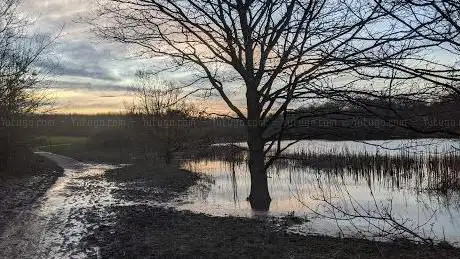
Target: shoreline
(155, 231)
(146, 231)
(142, 230)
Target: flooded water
(335, 202)
(74, 208)
(55, 226)
(411, 146)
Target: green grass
(60, 140)
(62, 145)
(79, 148)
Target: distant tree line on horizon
(337, 120)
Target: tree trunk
(259, 197)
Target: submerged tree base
(261, 203)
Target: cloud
(92, 101)
(87, 86)
(85, 74)
(80, 59)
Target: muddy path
(55, 224)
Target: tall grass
(438, 171)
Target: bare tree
(378, 219)
(435, 22)
(19, 55)
(167, 114)
(156, 97)
(284, 53)
(439, 22)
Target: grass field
(59, 140)
(80, 148)
(63, 145)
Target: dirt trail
(54, 226)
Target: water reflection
(405, 182)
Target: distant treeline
(374, 118)
(79, 125)
(328, 121)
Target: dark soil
(163, 176)
(26, 163)
(142, 231)
(146, 232)
(26, 179)
(153, 182)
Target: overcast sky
(87, 74)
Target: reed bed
(226, 153)
(438, 171)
